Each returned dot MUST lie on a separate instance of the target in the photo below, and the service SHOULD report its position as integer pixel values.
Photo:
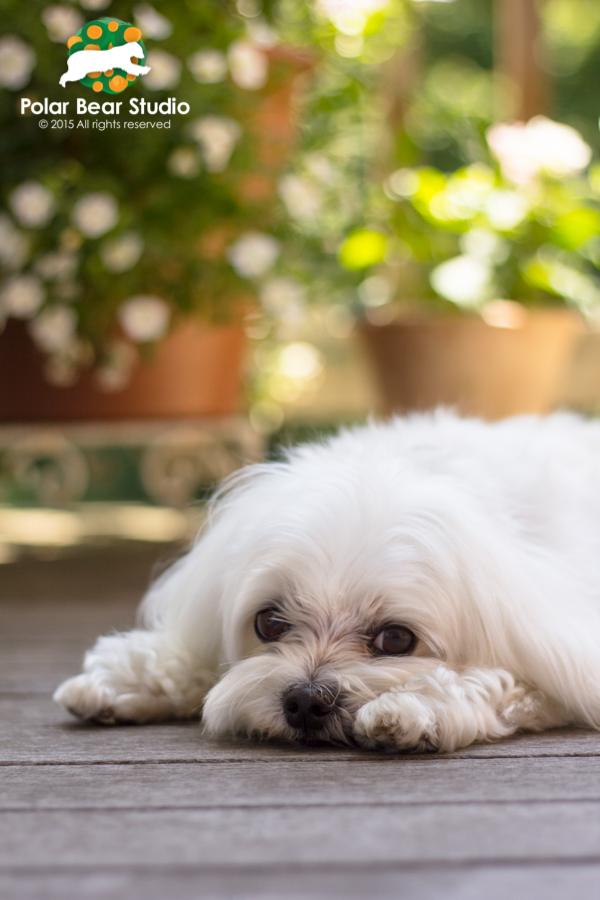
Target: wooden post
(517, 52)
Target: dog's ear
(186, 602)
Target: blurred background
(370, 207)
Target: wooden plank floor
(161, 812)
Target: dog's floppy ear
(186, 602)
(164, 668)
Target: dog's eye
(395, 640)
(269, 626)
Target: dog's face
(336, 593)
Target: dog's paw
(88, 697)
(397, 721)
(85, 698)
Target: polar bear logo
(85, 62)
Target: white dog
(416, 585)
(84, 62)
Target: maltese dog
(414, 585)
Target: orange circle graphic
(112, 26)
(132, 34)
(117, 84)
(73, 40)
(94, 31)
(97, 85)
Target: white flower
(484, 243)
(184, 162)
(115, 371)
(403, 183)
(145, 318)
(321, 168)
(560, 149)
(248, 66)
(32, 204)
(152, 23)
(302, 198)
(261, 34)
(350, 16)
(253, 254)
(300, 361)
(123, 252)
(541, 145)
(95, 214)
(14, 248)
(22, 296)
(465, 280)
(95, 4)
(60, 266)
(511, 147)
(208, 66)
(283, 298)
(62, 22)
(165, 71)
(217, 136)
(375, 291)
(53, 329)
(17, 60)
(505, 209)
(504, 314)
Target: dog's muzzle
(309, 709)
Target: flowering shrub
(107, 237)
(522, 223)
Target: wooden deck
(160, 812)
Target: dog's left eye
(269, 626)
(395, 640)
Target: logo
(105, 55)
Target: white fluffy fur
(484, 539)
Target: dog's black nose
(307, 708)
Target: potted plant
(491, 274)
(127, 257)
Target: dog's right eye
(269, 626)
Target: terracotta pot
(582, 387)
(194, 372)
(474, 367)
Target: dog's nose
(307, 708)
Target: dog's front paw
(109, 703)
(86, 698)
(397, 721)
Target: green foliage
(184, 208)
(490, 231)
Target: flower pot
(193, 372)
(581, 390)
(477, 368)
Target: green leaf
(573, 228)
(363, 248)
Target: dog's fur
(484, 539)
